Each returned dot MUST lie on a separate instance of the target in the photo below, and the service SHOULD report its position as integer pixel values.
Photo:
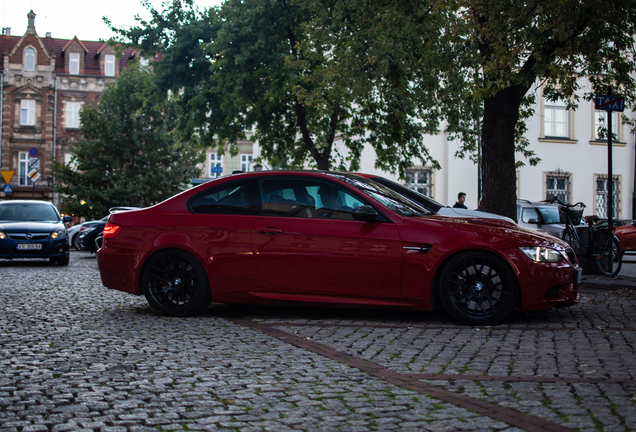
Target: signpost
(7, 176)
(34, 175)
(609, 103)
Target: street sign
(34, 152)
(8, 189)
(216, 170)
(7, 175)
(34, 163)
(34, 175)
(609, 103)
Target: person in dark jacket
(461, 197)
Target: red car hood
(496, 233)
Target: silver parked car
(540, 216)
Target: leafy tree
(250, 64)
(128, 154)
(486, 57)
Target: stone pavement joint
(512, 417)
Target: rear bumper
(118, 268)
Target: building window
(420, 180)
(555, 118)
(29, 60)
(558, 184)
(246, 160)
(216, 165)
(74, 63)
(23, 166)
(27, 112)
(72, 115)
(109, 65)
(602, 193)
(600, 121)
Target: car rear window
(237, 198)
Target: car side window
(235, 198)
(529, 213)
(307, 198)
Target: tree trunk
(499, 179)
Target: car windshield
(28, 212)
(420, 198)
(389, 198)
(550, 214)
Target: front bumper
(49, 249)
(544, 286)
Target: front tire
(175, 284)
(478, 288)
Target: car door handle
(269, 230)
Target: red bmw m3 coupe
(309, 237)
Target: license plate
(29, 246)
(579, 275)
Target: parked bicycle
(602, 245)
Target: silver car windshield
(550, 215)
(389, 198)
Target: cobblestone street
(77, 356)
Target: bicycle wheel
(607, 253)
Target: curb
(609, 284)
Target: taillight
(111, 230)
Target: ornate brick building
(45, 81)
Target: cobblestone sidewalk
(76, 356)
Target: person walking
(461, 197)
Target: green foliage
(128, 154)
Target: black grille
(24, 236)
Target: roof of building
(57, 48)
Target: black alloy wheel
(175, 283)
(478, 288)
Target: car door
(303, 244)
(219, 226)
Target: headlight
(58, 234)
(542, 254)
(2, 235)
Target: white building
(573, 161)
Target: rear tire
(478, 288)
(607, 253)
(175, 284)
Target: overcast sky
(81, 18)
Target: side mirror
(67, 219)
(364, 213)
(533, 221)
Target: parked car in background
(73, 232)
(540, 216)
(33, 229)
(88, 233)
(303, 237)
(626, 234)
(429, 203)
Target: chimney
(31, 16)
(48, 34)
(6, 31)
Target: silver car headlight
(2, 235)
(58, 234)
(542, 254)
